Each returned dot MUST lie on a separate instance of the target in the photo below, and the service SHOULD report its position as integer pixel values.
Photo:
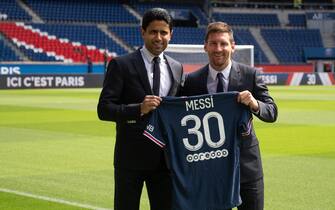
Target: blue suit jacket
(125, 86)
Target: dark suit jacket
(125, 86)
(241, 78)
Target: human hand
(149, 103)
(245, 97)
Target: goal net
(195, 54)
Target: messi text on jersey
(200, 103)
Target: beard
(220, 61)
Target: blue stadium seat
(297, 20)
(37, 56)
(195, 10)
(85, 34)
(10, 10)
(188, 35)
(244, 37)
(247, 19)
(130, 34)
(288, 44)
(82, 11)
(6, 53)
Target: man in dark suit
(224, 74)
(132, 88)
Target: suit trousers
(252, 195)
(129, 184)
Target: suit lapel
(171, 64)
(139, 66)
(173, 74)
(234, 77)
(203, 79)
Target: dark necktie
(220, 86)
(156, 77)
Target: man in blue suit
(132, 88)
(224, 74)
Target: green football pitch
(56, 154)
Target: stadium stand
(82, 11)
(193, 9)
(88, 35)
(244, 37)
(37, 54)
(6, 53)
(248, 19)
(130, 34)
(10, 10)
(72, 31)
(288, 44)
(297, 20)
(57, 47)
(188, 35)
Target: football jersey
(201, 135)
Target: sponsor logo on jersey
(207, 155)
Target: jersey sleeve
(245, 123)
(153, 130)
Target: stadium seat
(43, 42)
(6, 53)
(10, 10)
(195, 10)
(247, 19)
(297, 20)
(82, 11)
(288, 44)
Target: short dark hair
(156, 14)
(219, 27)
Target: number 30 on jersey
(206, 131)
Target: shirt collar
(225, 71)
(148, 56)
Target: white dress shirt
(212, 80)
(165, 83)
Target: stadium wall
(48, 68)
(268, 68)
(20, 76)
(30, 81)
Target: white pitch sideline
(56, 200)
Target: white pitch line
(56, 200)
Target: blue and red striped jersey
(201, 136)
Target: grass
(299, 150)
(12, 201)
(53, 145)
